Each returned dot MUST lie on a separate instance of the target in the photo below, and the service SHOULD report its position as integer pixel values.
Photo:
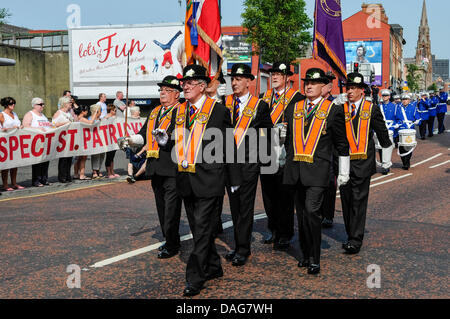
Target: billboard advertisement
(369, 54)
(98, 59)
(236, 50)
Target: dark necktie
(353, 111)
(236, 110)
(310, 107)
(192, 112)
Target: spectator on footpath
(137, 164)
(60, 118)
(102, 104)
(119, 104)
(131, 104)
(80, 165)
(36, 119)
(9, 121)
(66, 93)
(109, 162)
(96, 159)
(74, 107)
(135, 112)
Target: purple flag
(328, 35)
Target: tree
(412, 77)
(277, 29)
(4, 13)
(433, 87)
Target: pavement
(110, 230)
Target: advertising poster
(369, 54)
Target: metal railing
(53, 41)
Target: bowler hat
(317, 75)
(171, 81)
(356, 79)
(243, 70)
(281, 67)
(195, 72)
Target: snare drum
(407, 138)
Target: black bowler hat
(243, 70)
(317, 75)
(356, 79)
(330, 76)
(195, 72)
(281, 67)
(172, 82)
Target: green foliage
(4, 13)
(412, 77)
(278, 29)
(433, 87)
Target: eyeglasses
(41, 104)
(167, 90)
(191, 85)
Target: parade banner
(28, 146)
(98, 58)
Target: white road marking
(437, 165)
(147, 249)
(427, 160)
(384, 182)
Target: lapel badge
(202, 118)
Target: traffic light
(355, 67)
(372, 77)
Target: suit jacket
(162, 166)
(261, 120)
(367, 167)
(209, 178)
(318, 172)
(297, 97)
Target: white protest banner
(28, 146)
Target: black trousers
(218, 210)
(39, 173)
(64, 167)
(440, 118)
(406, 160)
(204, 259)
(354, 198)
(109, 158)
(423, 128)
(430, 126)
(309, 209)
(329, 200)
(168, 205)
(242, 205)
(279, 206)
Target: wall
(36, 74)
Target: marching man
(388, 109)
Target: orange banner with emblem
(247, 115)
(280, 105)
(164, 122)
(359, 142)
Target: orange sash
(305, 147)
(244, 121)
(277, 109)
(358, 143)
(153, 147)
(188, 146)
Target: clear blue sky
(51, 14)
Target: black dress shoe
(405, 168)
(230, 255)
(165, 253)
(344, 245)
(303, 263)
(269, 239)
(313, 269)
(63, 181)
(351, 249)
(190, 291)
(161, 247)
(239, 260)
(218, 274)
(327, 223)
(282, 244)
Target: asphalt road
(92, 224)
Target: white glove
(417, 122)
(341, 99)
(282, 131)
(122, 142)
(396, 126)
(386, 155)
(234, 189)
(222, 90)
(344, 170)
(160, 136)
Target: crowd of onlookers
(69, 111)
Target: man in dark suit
(249, 115)
(315, 127)
(278, 206)
(160, 167)
(201, 175)
(362, 119)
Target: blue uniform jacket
(388, 111)
(411, 116)
(442, 106)
(422, 108)
(432, 109)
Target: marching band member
(362, 118)
(247, 112)
(422, 109)
(387, 109)
(278, 207)
(432, 112)
(314, 126)
(406, 117)
(441, 110)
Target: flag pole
(126, 106)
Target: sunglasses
(41, 104)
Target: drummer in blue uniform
(422, 108)
(388, 109)
(432, 112)
(441, 109)
(406, 117)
